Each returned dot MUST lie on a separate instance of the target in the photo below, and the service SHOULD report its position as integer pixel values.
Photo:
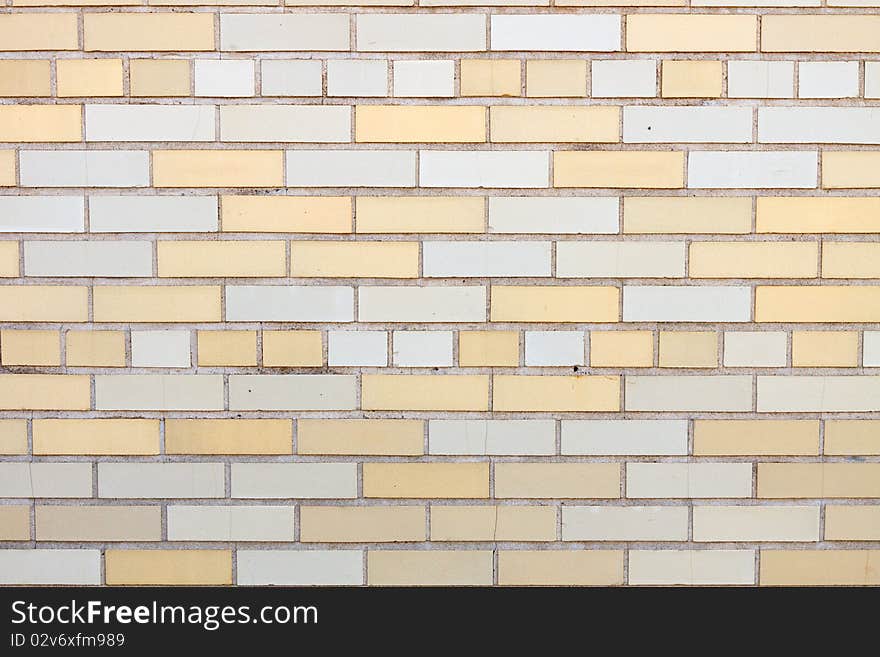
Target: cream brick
(378, 437)
(292, 349)
(816, 304)
(424, 392)
(871, 348)
(485, 259)
(15, 523)
(691, 33)
(754, 349)
(688, 349)
(115, 32)
(357, 77)
(190, 303)
(43, 303)
(286, 123)
(13, 437)
(691, 567)
(84, 168)
(289, 303)
(357, 348)
(823, 125)
(558, 123)
(420, 32)
(286, 214)
(554, 348)
(50, 566)
(159, 77)
(422, 348)
(270, 392)
(9, 259)
(818, 394)
(690, 125)
(490, 77)
(159, 392)
(351, 168)
(572, 32)
(824, 348)
(290, 77)
(872, 79)
(492, 437)
(555, 393)
(557, 480)
(420, 124)
(629, 437)
(820, 567)
(424, 78)
(216, 168)
(58, 392)
(756, 437)
(828, 79)
(560, 567)
(285, 32)
(631, 523)
(89, 77)
(636, 78)
(488, 348)
(220, 436)
(525, 169)
(116, 259)
(744, 170)
(355, 259)
(493, 523)
(429, 568)
(161, 348)
(419, 214)
(850, 260)
(30, 347)
(149, 122)
(362, 524)
(820, 33)
(691, 79)
(179, 567)
(807, 480)
(754, 523)
(300, 567)
(689, 393)
(96, 348)
(845, 437)
(688, 480)
(553, 215)
(7, 166)
(683, 303)
(620, 259)
(96, 436)
(98, 523)
(422, 304)
(760, 79)
(45, 479)
(294, 480)
(231, 348)
(226, 258)
(31, 31)
(229, 78)
(648, 169)
(554, 304)
(621, 348)
(426, 480)
(694, 214)
(152, 214)
(230, 523)
(852, 523)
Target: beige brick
(8, 250)
(227, 348)
(688, 349)
(850, 260)
(818, 214)
(807, 480)
(194, 258)
(820, 567)
(820, 33)
(554, 304)
(40, 123)
(238, 436)
(96, 349)
(817, 304)
(493, 523)
(110, 437)
(852, 523)
(15, 523)
(89, 77)
(425, 392)
(354, 259)
(488, 348)
(98, 523)
(850, 169)
(557, 480)
(218, 168)
(691, 567)
(691, 33)
(490, 77)
(756, 523)
(687, 214)
(628, 523)
(159, 77)
(190, 303)
(420, 124)
(31, 31)
(56, 392)
(429, 568)
(756, 437)
(753, 260)
(647, 169)
(373, 437)
(825, 348)
(286, 214)
(13, 437)
(687, 79)
(177, 32)
(426, 480)
(414, 214)
(560, 567)
(517, 392)
(292, 349)
(166, 567)
(30, 347)
(549, 78)
(554, 123)
(621, 348)
(852, 437)
(361, 524)
(24, 77)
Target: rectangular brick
(286, 214)
(689, 393)
(160, 480)
(820, 567)
(413, 214)
(98, 523)
(294, 480)
(15, 523)
(238, 436)
(168, 567)
(216, 168)
(31, 31)
(113, 32)
(557, 480)
(820, 33)
(691, 33)
(40, 123)
(129, 437)
(426, 480)
(44, 392)
(230, 523)
(50, 566)
(756, 437)
(420, 124)
(807, 480)
(43, 479)
(300, 567)
(555, 393)
(429, 568)
(270, 392)
(420, 32)
(631, 523)
(560, 567)
(691, 567)
(687, 214)
(493, 523)
(849, 437)
(756, 523)
(557, 123)
(645, 169)
(362, 524)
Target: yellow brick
(163, 567)
(426, 480)
(361, 524)
(688, 349)
(490, 77)
(753, 260)
(685, 79)
(687, 214)
(292, 349)
(621, 348)
(431, 392)
(621, 3)
(783, 303)
(842, 169)
(40, 123)
(691, 33)
(355, 437)
(221, 258)
(15, 523)
(159, 77)
(227, 348)
(852, 437)
(554, 303)
(101, 437)
(43, 303)
(820, 33)
(74, 3)
(852, 523)
(56, 31)
(808, 480)
(8, 256)
(756, 437)
(850, 260)
(648, 169)
(56, 392)
(217, 168)
(236, 436)
(89, 77)
(96, 348)
(555, 393)
(557, 480)
(98, 523)
(493, 523)
(286, 214)
(560, 567)
(429, 568)
(414, 214)
(182, 303)
(817, 214)
(24, 77)
(355, 259)
(548, 78)
(414, 124)
(30, 347)
(147, 32)
(825, 348)
(13, 437)
(488, 348)
(555, 123)
(820, 567)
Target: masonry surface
(447, 292)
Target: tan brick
(56, 392)
(168, 567)
(414, 214)
(753, 260)
(688, 79)
(31, 31)
(820, 33)
(756, 437)
(850, 260)
(488, 348)
(40, 123)
(825, 348)
(117, 437)
(429, 568)
(354, 259)
(783, 303)
(236, 436)
(820, 567)
(621, 348)
(850, 169)
(98, 523)
(286, 214)
(425, 392)
(292, 349)
(184, 168)
(691, 33)
(13, 437)
(687, 214)
(493, 523)
(554, 123)
(159, 77)
(426, 480)
(89, 77)
(549, 78)
(420, 124)
(15, 523)
(43, 303)
(30, 347)
(24, 77)
(177, 32)
(852, 523)
(688, 349)
(361, 524)
(8, 250)
(517, 392)
(536, 303)
(807, 480)
(190, 303)
(96, 348)
(852, 437)
(557, 480)
(227, 348)
(193, 258)
(373, 437)
(490, 77)
(560, 567)
(818, 214)
(647, 169)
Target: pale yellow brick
(825, 348)
(361, 524)
(621, 348)
(354, 259)
(560, 567)
(183, 303)
(548, 78)
(227, 348)
(89, 77)
(426, 480)
(7, 179)
(8, 255)
(488, 348)
(808, 480)
(164, 567)
(429, 567)
(555, 123)
(24, 77)
(782, 303)
(756, 437)
(490, 77)
(557, 480)
(30, 347)
(358, 436)
(420, 124)
(850, 169)
(292, 349)
(32, 31)
(286, 214)
(820, 567)
(15, 523)
(192, 258)
(74, 3)
(98, 523)
(96, 348)
(820, 33)
(688, 349)
(852, 523)
(159, 77)
(818, 214)
(178, 32)
(647, 169)
(43, 303)
(851, 260)
(689, 79)
(687, 214)
(212, 168)
(433, 392)
(414, 214)
(753, 260)
(852, 437)
(13, 437)
(493, 523)
(232, 436)
(555, 393)
(691, 33)
(56, 392)
(40, 123)
(539, 303)
(116, 437)
(620, 3)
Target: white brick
(357, 77)
(691, 567)
(569, 32)
(743, 170)
(553, 215)
(294, 480)
(756, 523)
(754, 349)
(357, 348)
(632, 523)
(871, 348)
(823, 125)
(421, 32)
(42, 214)
(152, 214)
(554, 348)
(351, 168)
(652, 125)
(686, 303)
(872, 79)
(225, 78)
(53, 567)
(424, 78)
(289, 303)
(448, 259)
(289, 123)
(620, 259)
(422, 304)
(760, 79)
(159, 392)
(160, 480)
(300, 567)
(492, 437)
(292, 392)
(84, 168)
(828, 79)
(160, 349)
(826, 394)
(21, 479)
(150, 122)
(230, 523)
(636, 78)
(285, 32)
(688, 393)
(88, 258)
(684, 480)
(625, 437)
(422, 348)
(484, 169)
(290, 77)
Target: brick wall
(456, 293)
